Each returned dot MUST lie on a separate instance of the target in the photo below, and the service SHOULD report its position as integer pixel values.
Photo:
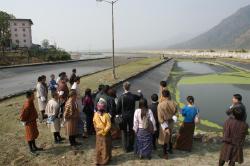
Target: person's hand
(43, 99)
(167, 130)
(175, 118)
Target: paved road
(15, 80)
(149, 82)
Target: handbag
(119, 118)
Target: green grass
(224, 78)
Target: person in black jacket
(72, 77)
(237, 104)
(153, 108)
(126, 108)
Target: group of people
(140, 128)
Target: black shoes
(33, 153)
(38, 149)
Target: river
(212, 99)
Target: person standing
(237, 103)
(97, 94)
(163, 86)
(102, 125)
(104, 95)
(126, 108)
(89, 110)
(82, 121)
(153, 107)
(28, 116)
(53, 121)
(52, 84)
(234, 134)
(63, 92)
(184, 139)
(42, 96)
(71, 116)
(72, 77)
(166, 110)
(144, 127)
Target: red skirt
(31, 131)
(185, 137)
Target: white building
(20, 30)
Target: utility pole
(113, 35)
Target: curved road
(16, 80)
(149, 82)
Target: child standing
(52, 84)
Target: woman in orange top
(102, 125)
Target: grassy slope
(226, 78)
(13, 146)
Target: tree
(4, 30)
(45, 43)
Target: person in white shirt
(144, 127)
(42, 95)
(53, 121)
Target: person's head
(30, 95)
(43, 78)
(190, 100)
(143, 105)
(39, 79)
(55, 95)
(52, 76)
(112, 92)
(72, 94)
(88, 92)
(163, 84)
(166, 94)
(154, 97)
(62, 74)
(64, 78)
(74, 71)
(237, 98)
(106, 88)
(77, 80)
(237, 113)
(101, 105)
(100, 87)
(126, 86)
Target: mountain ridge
(232, 32)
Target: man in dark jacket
(126, 108)
(237, 104)
(72, 77)
(153, 108)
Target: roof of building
(22, 20)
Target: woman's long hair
(143, 105)
(87, 92)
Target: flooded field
(214, 97)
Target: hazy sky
(86, 24)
